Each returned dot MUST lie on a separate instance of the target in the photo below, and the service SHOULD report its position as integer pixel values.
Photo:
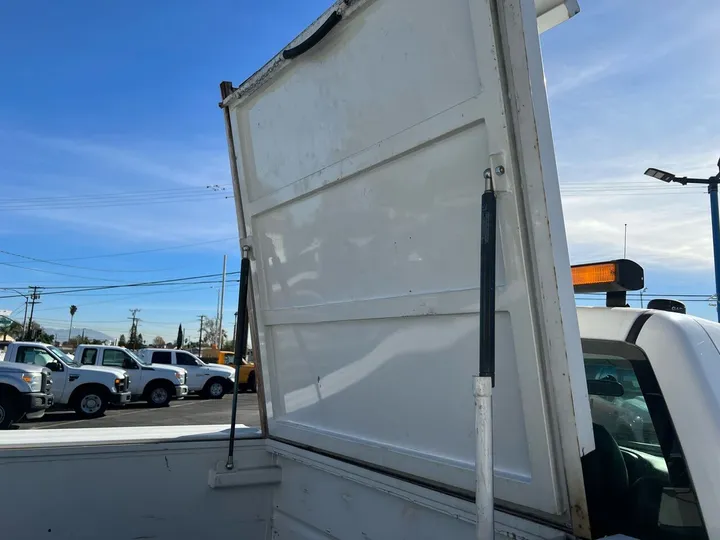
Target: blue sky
(633, 85)
(110, 133)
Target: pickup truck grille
(46, 383)
(185, 378)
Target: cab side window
(88, 357)
(637, 482)
(161, 357)
(118, 359)
(184, 359)
(37, 357)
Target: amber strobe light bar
(612, 277)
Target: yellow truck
(247, 380)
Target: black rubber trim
(117, 398)
(314, 39)
(636, 327)
(29, 398)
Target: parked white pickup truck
(211, 381)
(87, 389)
(24, 392)
(157, 385)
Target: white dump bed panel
(360, 172)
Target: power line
(176, 287)
(155, 250)
(115, 204)
(45, 261)
(215, 189)
(652, 295)
(127, 296)
(130, 285)
(55, 273)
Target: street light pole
(712, 184)
(715, 220)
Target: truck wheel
(90, 403)
(8, 412)
(252, 383)
(159, 395)
(214, 389)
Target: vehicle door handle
(74, 377)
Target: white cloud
(574, 77)
(663, 231)
(82, 169)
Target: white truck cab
(157, 385)
(87, 389)
(211, 381)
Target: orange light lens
(592, 274)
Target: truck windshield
(59, 353)
(139, 359)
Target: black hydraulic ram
(485, 380)
(241, 334)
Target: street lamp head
(660, 175)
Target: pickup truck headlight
(34, 380)
(180, 377)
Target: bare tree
(211, 330)
(159, 341)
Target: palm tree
(73, 311)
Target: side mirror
(605, 388)
(129, 364)
(54, 366)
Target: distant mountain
(61, 334)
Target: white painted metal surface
(323, 499)
(126, 491)
(44, 438)
(361, 168)
(550, 13)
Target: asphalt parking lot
(191, 410)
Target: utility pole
(217, 318)
(132, 341)
(27, 300)
(222, 305)
(202, 319)
(34, 297)
(25, 316)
